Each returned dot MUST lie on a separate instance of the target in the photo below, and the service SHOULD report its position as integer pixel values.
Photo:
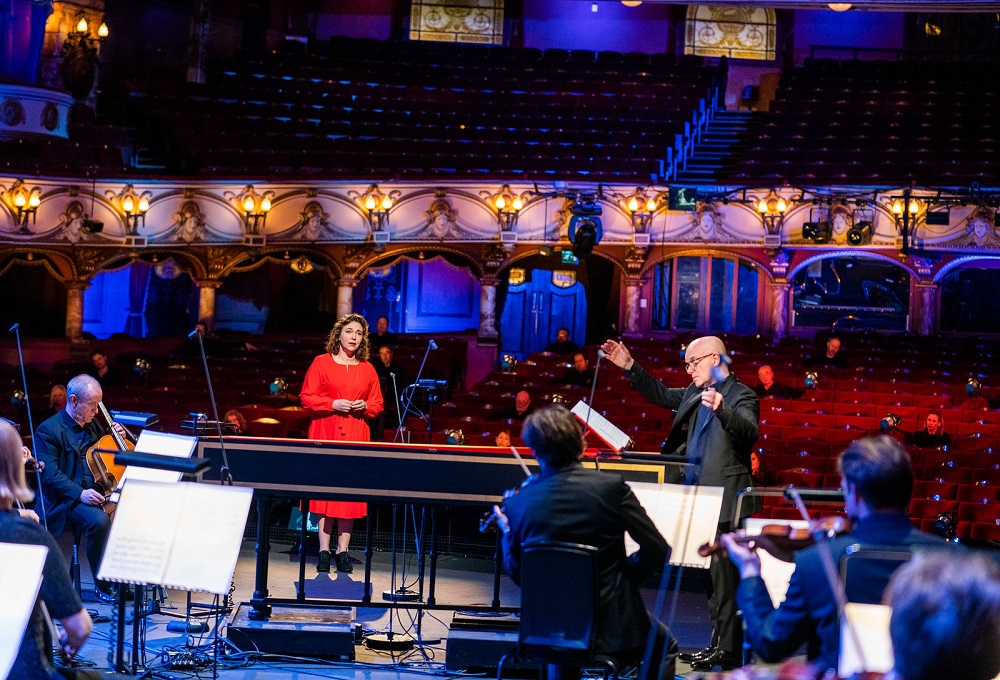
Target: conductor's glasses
(693, 364)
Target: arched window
(468, 21)
(734, 32)
(969, 302)
(852, 292)
(705, 293)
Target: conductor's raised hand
(617, 354)
(712, 399)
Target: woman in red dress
(342, 390)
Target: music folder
(180, 535)
(20, 578)
(601, 426)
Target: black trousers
(727, 630)
(95, 526)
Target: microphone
(13, 328)
(600, 355)
(432, 344)
(192, 334)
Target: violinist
(61, 444)
(877, 479)
(569, 503)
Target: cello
(102, 465)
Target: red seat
(839, 438)
(811, 448)
(816, 419)
(984, 415)
(794, 461)
(985, 430)
(851, 408)
(778, 418)
(946, 473)
(977, 492)
(927, 508)
(801, 478)
(924, 488)
(798, 432)
(868, 423)
(979, 512)
(984, 532)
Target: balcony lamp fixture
(641, 208)
(25, 201)
(133, 206)
(508, 205)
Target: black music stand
(432, 386)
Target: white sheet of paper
(208, 538)
(180, 535)
(776, 574)
(871, 623)
(143, 532)
(163, 444)
(686, 516)
(607, 431)
(20, 578)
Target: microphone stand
(430, 345)
(16, 330)
(225, 475)
(590, 404)
(395, 391)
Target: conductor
(715, 427)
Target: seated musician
(877, 480)
(34, 657)
(945, 617)
(595, 508)
(61, 443)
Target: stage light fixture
(889, 422)
(456, 437)
(860, 234)
(972, 387)
(811, 380)
(507, 363)
(817, 232)
(585, 229)
(278, 387)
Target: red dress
(325, 381)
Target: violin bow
(520, 461)
(830, 570)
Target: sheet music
(601, 426)
(208, 540)
(179, 535)
(20, 578)
(163, 444)
(686, 516)
(776, 574)
(142, 533)
(871, 622)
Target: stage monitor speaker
(477, 642)
(295, 630)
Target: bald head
(702, 356)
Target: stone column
(74, 310)
(345, 296)
(488, 310)
(926, 308)
(206, 300)
(631, 320)
(780, 293)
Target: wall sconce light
(25, 202)
(79, 54)
(641, 208)
(133, 206)
(376, 206)
(508, 205)
(254, 207)
(905, 210)
(772, 209)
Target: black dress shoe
(719, 659)
(689, 657)
(106, 594)
(323, 562)
(344, 563)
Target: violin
(31, 464)
(782, 541)
(102, 465)
(490, 521)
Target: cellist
(67, 483)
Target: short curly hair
(333, 342)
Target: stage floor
(459, 580)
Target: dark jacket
(593, 508)
(62, 444)
(726, 443)
(809, 612)
(777, 391)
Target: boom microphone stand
(16, 330)
(430, 345)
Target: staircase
(721, 146)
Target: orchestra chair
(559, 607)
(865, 570)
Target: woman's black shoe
(344, 563)
(323, 563)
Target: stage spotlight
(278, 387)
(972, 387)
(817, 232)
(812, 380)
(142, 367)
(17, 399)
(585, 229)
(860, 234)
(889, 422)
(456, 437)
(683, 351)
(507, 363)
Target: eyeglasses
(691, 365)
